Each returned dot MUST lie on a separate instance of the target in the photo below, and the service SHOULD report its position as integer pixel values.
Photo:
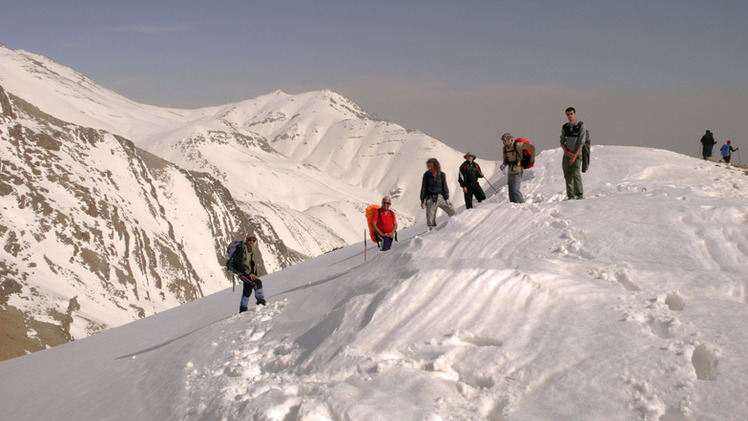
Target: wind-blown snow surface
(630, 304)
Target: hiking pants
(431, 206)
(573, 177)
(250, 285)
(706, 151)
(384, 243)
(514, 182)
(473, 189)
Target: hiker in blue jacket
(245, 264)
(727, 151)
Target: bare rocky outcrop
(97, 231)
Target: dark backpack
(233, 251)
(586, 151)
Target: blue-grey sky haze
(644, 73)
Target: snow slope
(630, 304)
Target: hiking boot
(262, 302)
(242, 309)
(579, 197)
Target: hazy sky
(647, 73)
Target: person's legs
(514, 182)
(479, 194)
(259, 295)
(248, 286)
(431, 206)
(468, 198)
(386, 243)
(445, 206)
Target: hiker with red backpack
(384, 224)
(470, 172)
(518, 154)
(435, 192)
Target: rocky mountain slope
(96, 232)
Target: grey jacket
(576, 140)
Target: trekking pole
(489, 183)
(364, 245)
(233, 282)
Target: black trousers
(473, 189)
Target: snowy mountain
(96, 232)
(628, 305)
(297, 170)
(294, 161)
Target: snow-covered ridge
(630, 304)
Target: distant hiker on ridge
(513, 153)
(470, 172)
(384, 224)
(727, 151)
(245, 267)
(572, 142)
(435, 193)
(707, 142)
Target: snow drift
(630, 304)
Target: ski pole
(489, 183)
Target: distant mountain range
(114, 210)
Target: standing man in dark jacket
(707, 142)
(245, 263)
(572, 141)
(470, 172)
(435, 192)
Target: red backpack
(370, 211)
(528, 160)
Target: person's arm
(445, 188)
(423, 191)
(374, 227)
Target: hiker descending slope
(470, 172)
(727, 151)
(707, 144)
(435, 192)
(242, 262)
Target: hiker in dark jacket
(435, 192)
(707, 142)
(470, 172)
(245, 264)
(572, 142)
